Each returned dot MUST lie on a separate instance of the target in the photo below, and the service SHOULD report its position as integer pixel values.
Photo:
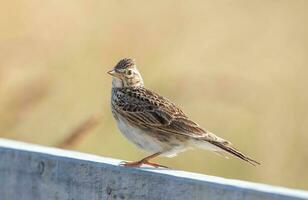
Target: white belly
(139, 137)
(146, 142)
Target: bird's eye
(129, 72)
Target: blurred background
(238, 68)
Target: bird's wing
(150, 110)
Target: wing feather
(148, 109)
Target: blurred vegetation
(238, 68)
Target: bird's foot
(131, 163)
(155, 165)
(140, 163)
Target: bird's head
(126, 74)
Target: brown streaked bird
(154, 123)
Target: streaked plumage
(154, 123)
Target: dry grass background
(238, 68)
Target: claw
(131, 164)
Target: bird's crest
(124, 63)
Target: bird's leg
(143, 161)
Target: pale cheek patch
(135, 81)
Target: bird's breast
(140, 137)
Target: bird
(154, 123)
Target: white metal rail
(32, 172)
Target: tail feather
(235, 152)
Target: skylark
(154, 123)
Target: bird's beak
(113, 73)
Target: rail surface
(33, 172)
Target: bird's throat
(117, 83)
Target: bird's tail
(231, 150)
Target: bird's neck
(118, 83)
